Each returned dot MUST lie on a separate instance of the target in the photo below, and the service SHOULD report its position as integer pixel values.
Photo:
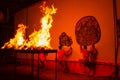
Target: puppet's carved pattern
(87, 31)
(65, 40)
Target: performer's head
(85, 47)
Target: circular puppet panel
(87, 31)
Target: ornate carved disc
(87, 31)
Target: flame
(41, 38)
(18, 40)
(38, 39)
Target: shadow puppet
(88, 33)
(65, 50)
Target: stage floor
(24, 73)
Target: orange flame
(42, 38)
(18, 40)
(38, 39)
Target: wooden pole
(116, 40)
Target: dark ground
(10, 72)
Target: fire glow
(38, 39)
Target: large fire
(18, 40)
(39, 38)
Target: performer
(63, 50)
(85, 59)
(42, 59)
(92, 60)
